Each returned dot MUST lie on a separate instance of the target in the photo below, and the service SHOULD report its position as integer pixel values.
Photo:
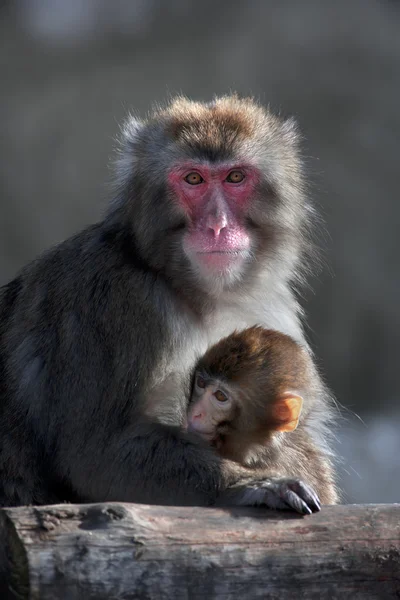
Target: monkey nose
(216, 223)
(216, 229)
(197, 415)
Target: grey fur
(99, 327)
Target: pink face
(215, 199)
(209, 407)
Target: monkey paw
(281, 493)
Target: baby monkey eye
(235, 177)
(194, 178)
(200, 382)
(220, 396)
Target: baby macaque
(248, 388)
(255, 401)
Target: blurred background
(71, 69)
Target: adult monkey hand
(206, 235)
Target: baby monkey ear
(286, 411)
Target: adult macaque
(206, 234)
(248, 389)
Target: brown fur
(220, 128)
(259, 365)
(257, 351)
(214, 127)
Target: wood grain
(133, 551)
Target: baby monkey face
(217, 408)
(211, 408)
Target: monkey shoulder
(88, 300)
(83, 270)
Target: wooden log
(133, 551)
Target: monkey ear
(286, 412)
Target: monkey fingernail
(314, 502)
(317, 503)
(296, 503)
(307, 510)
(308, 495)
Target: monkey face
(215, 194)
(210, 408)
(215, 199)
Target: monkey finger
(306, 493)
(280, 495)
(295, 502)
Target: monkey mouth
(234, 252)
(207, 435)
(222, 259)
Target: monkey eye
(235, 177)
(194, 178)
(220, 396)
(200, 382)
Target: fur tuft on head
(213, 130)
(256, 354)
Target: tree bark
(133, 551)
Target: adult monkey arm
(87, 444)
(205, 236)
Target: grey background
(71, 70)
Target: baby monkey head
(248, 387)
